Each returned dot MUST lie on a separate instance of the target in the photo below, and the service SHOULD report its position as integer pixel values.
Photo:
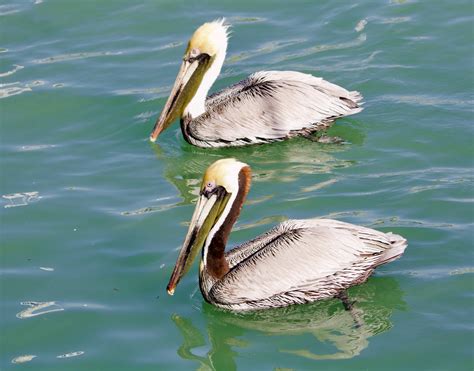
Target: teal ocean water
(92, 213)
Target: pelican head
(201, 65)
(223, 190)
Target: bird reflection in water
(280, 162)
(337, 334)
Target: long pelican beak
(187, 82)
(208, 210)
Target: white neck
(197, 105)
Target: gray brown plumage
(296, 262)
(268, 106)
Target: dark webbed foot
(349, 306)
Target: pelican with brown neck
(296, 262)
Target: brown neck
(217, 265)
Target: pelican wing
(270, 106)
(302, 260)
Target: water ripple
(465, 270)
(74, 56)
(258, 200)
(21, 199)
(38, 309)
(237, 20)
(171, 45)
(426, 100)
(355, 64)
(71, 354)
(457, 175)
(434, 273)
(16, 68)
(324, 47)
(9, 9)
(395, 221)
(24, 358)
(149, 209)
(47, 269)
(158, 92)
(35, 147)
(360, 25)
(319, 185)
(392, 20)
(266, 48)
(264, 221)
(15, 88)
(145, 116)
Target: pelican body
(268, 106)
(296, 262)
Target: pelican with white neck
(267, 106)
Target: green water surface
(92, 213)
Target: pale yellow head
(224, 173)
(210, 38)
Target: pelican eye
(192, 55)
(201, 57)
(212, 189)
(209, 187)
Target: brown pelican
(268, 106)
(296, 262)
